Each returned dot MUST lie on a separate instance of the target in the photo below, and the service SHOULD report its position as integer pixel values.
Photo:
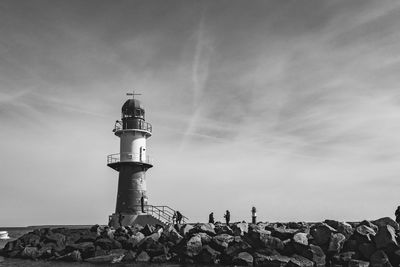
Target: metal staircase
(163, 213)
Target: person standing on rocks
(397, 213)
(211, 218)
(178, 217)
(227, 217)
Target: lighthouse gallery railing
(129, 157)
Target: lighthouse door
(142, 154)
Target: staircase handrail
(163, 213)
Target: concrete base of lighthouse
(121, 219)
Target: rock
(143, 257)
(379, 259)
(107, 244)
(236, 246)
(344, 257)
(341, 227)
(273, 260)
(172, 235)
(15, 245)
(369, 224)
(207, 228)
(240, 228)
(208, 255)
(272, 242)
(301, 238)
(129, 256)
(161, 258)
(72, 256)
(365, 231)
(223, 229)
(185, 229)
(221, 242)
(56, 238)
(283, 233)
(386, 238)
(358, 263)
(205, 238)
(30, 239)
(109, 258)
(315, 254)
(30, 253)
(386, 221)
(193, 246)
(321, 234)
(297, 225)
(87, 237)
(336, 242)
(86, 249)
(366, 250)
(243, 259)
(135, 239)
(148, 230)
(299, 261)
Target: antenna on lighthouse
(132, 94)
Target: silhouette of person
(397, 213)
(178, 217)
(227, 217)
(211, 217)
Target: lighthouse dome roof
(131, 105)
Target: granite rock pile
(328, 243)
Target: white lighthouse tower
(132, 163)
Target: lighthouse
(131, 163)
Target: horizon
(288, 106)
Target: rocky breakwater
(329, 243)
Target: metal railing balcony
(128, 157)
(134, 125)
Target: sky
(286, 105)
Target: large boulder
(148, 230)
(366, 250)
(143, 257)
(193, 246)
(379, 259)
(86, 249)
(135, 240)
(243, 259)
(239, 229)
(336, 242)
(221, 242)
(301, 238)
(30, 253)
(321, 233)
(315, 254)
(185, 229)
(207, 228)
(386, 221)
(208, 255)
(385, 238)
(365, 232)
(283, 233)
